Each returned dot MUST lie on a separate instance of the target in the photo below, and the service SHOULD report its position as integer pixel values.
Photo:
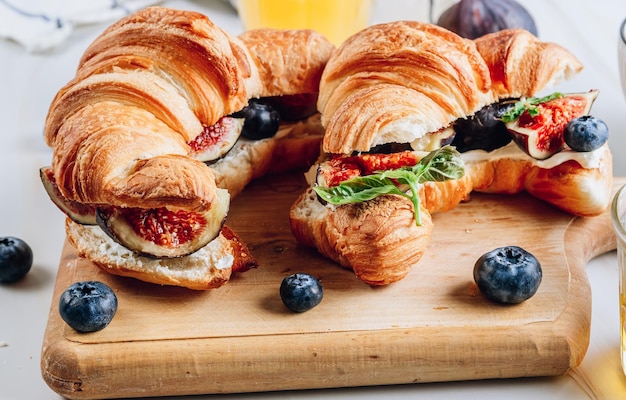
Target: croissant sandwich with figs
(165, 121)
(417, 118)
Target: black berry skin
(16, 259)
(586, 133)
(88, 306)
(301, 292)
(260, 121)
(508, 275)
(484, 130)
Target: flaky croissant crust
(521, 65)
(419, 64)
(289, 61)
(148, 85)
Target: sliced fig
(81, 213)
(161, 232)
(332, 172)
(538, 126)
(216, 140)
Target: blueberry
(260, 121)
(301, 292)
(508, 274)
(586, 133)
(16, 258)
(88, 306)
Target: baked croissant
(398, 89)
(521, 66)
(396, 82)
(121, 129)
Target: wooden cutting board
(432, 326)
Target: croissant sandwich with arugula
(417, 118)
(149, 146)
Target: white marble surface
(29, 81)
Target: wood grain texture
(432, 326)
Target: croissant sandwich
(139, 136)
(417, 118)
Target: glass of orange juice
(335, 19)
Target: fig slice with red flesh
(216, 140)
(334, 171)
(163, 232)
(81, 213)
(539, 129)
(337, 170)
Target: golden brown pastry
(580, 186)
(395, 82)
(162, 73)
(379, 239)
(522, 65)
(289, 61)
(406, 83)
(123, 132)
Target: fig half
(216, 140)
(161, 232)
(538, 126)
(81, 213)
(337, 170)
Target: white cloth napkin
(41, 25)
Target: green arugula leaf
(439, 165)
(529, 104)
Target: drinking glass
(618, 215)
(621, 54)
(618, 209)
(335, 19)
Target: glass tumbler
(335, 19)
(618, 209)
(621, 54)
(618, 215)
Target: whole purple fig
(474, 18)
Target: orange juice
(335, 19)
(622, 321)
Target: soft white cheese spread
(587, 160)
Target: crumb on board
(473, 290)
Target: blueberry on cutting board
(88, 306)
(508, 275)
(301, 292)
